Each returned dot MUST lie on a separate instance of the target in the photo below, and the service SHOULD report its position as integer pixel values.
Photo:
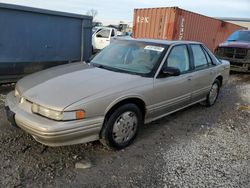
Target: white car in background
(101, 37)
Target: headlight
(57, 115)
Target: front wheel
(213, 93)
(121, 127)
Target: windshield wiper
(102, 66)
(97, 65)
(113, 69)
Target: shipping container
(173, 23)
(32, 39)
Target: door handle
(212, 72)
(189, 78)
(107, 40)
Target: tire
(121, 127)
(213, 93)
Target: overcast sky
(113, 11)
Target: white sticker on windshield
(154, 48)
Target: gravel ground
(196, 147)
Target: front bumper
(239, 65)
(50, 132)
(240, 68)
(10, 116)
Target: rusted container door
(172, 23)
(157, 23)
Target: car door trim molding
(168, 103)
(173, 111)
(200, 92)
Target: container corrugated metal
(32, 39)
(173, 23)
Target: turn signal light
(80, 114)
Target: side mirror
(99, 36)
(171, 71)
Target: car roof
(103, 27)
(159, 41)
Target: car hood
(236, 44)
(62, 86)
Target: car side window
(208, 57)
(178, 58)
(200, 59)
(103, 33)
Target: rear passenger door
(204, 71)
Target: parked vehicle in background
(33, 39)
(173, 23)
(236, 49)
(128, 83)
(101, 37)
(125, 27)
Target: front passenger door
(173, 92)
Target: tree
(93, 13)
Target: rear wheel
(121, 127)
(213, 93)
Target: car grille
(237, 53)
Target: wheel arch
(138, 101)
(220, 78)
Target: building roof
(43, 11)
(234, 19)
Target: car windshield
(240, 36)
(129, 56)
(95, 30)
